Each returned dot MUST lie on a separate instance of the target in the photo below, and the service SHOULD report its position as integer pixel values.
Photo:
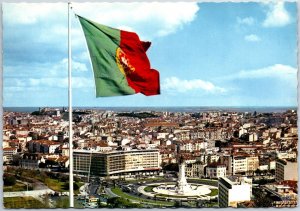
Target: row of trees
(9, 180)
(118, 202)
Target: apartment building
(242, 164)
(8, 154)
(215, 170)
(195, 169)
(286, 170)
(42, 146)
(117, 163)
(231, 192)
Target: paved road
(33, 193)
(110, 193)
(37, 185)
(93, 189)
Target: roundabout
(180, 190)
(168, 191)
(171, 189)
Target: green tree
(118, 202)
(47, 201)
(62, 202)
(66, 186)
(177, 204)
(171, 167)
(100, 204)
(257, 171)
(261, 199)
(9, 180)
(236, 134)
(63, 178)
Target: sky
(207, 54)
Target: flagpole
(71, 191)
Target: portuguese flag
(120, 63)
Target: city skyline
(208, 54)
(151, 158)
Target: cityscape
(151, 158)
(204, 118)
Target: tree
(117, 202)
(42, 165)
(63, 178)
(16, 160)
(36, 113)
(236, 134)
(254, 113)
(76, 179)
(245, 137)
(171, 167)
(50, 163)
(99, 204)
(62, 202)
(9, 180)
(177, 204)
(33, 135)
(12, 137)
(66, 186)
(257, 171)
(47, 201)
(261, 199)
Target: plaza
(169, 191)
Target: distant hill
(140, 115)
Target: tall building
(195, 169)
(231, 191)
(8, 154)
(252, 163)
(117, 163)
(242, 164)
(215, 170)
(238, 164)
(286, 170)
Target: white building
(286, 155)
(253, 137)
(195, 169)
(286, 170)
(8, 154)
(238, 164)
(242, 164)
(215, 170)
(232, 192)
(43, 146)
(125, 163)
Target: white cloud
(277, 15)
(176, 84)
(46, 69)
(149, 19)
(31, 13)
(252, 38)
(245, 21)
(76, 66)
(77, 82)
(280, 71)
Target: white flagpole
(71, 191)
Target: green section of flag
(102, 42)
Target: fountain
(182, 187)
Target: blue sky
(208, 54)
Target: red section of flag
(144, 79)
